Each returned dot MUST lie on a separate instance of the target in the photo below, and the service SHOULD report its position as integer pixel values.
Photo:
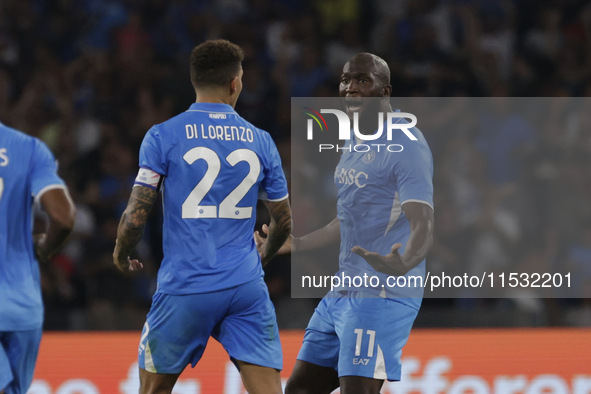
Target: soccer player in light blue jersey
(385, 227)
(211, 166)
(28, 175)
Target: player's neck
(214, 97)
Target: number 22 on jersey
(227, 209)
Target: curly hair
(215, 63)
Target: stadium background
(90, 77)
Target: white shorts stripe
(379, 371)
(148, 361)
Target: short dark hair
(215, 63)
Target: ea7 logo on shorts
(360, 361)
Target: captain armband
(149, 178)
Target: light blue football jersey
(215, 165)
(372, 187)
(27, 169)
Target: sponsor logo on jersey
(351, 176)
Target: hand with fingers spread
(391, 264)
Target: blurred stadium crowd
(90, 77)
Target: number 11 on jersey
(370, 345)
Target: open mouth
(353, 103)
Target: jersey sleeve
(273, 185)
(413, 173)
(43, 171)
(151, 152)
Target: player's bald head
(373, 64)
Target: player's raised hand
(127, 264)
(390, 264)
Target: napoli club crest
(369, 157)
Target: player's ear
(233, 85)
(387, 90)
(236, 82)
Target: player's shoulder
(260, 133)
(261, 137)
(403, 130)
(409, 142)
(404, 152)
(17, 138)
(169, 123)
(421, 141)
(12, 134)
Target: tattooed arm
(131, 227)
(279, 229)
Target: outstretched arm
(131, 227)
(327, 235)
(61, 213)
(278, 230)
(420, 217)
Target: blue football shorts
(358, 335)
(18, 355)
(241, 318)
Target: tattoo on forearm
(133, 220)
(282, 215)
(280, 226)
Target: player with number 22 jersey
(212, 167)
(208, 224)
(210, 193)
